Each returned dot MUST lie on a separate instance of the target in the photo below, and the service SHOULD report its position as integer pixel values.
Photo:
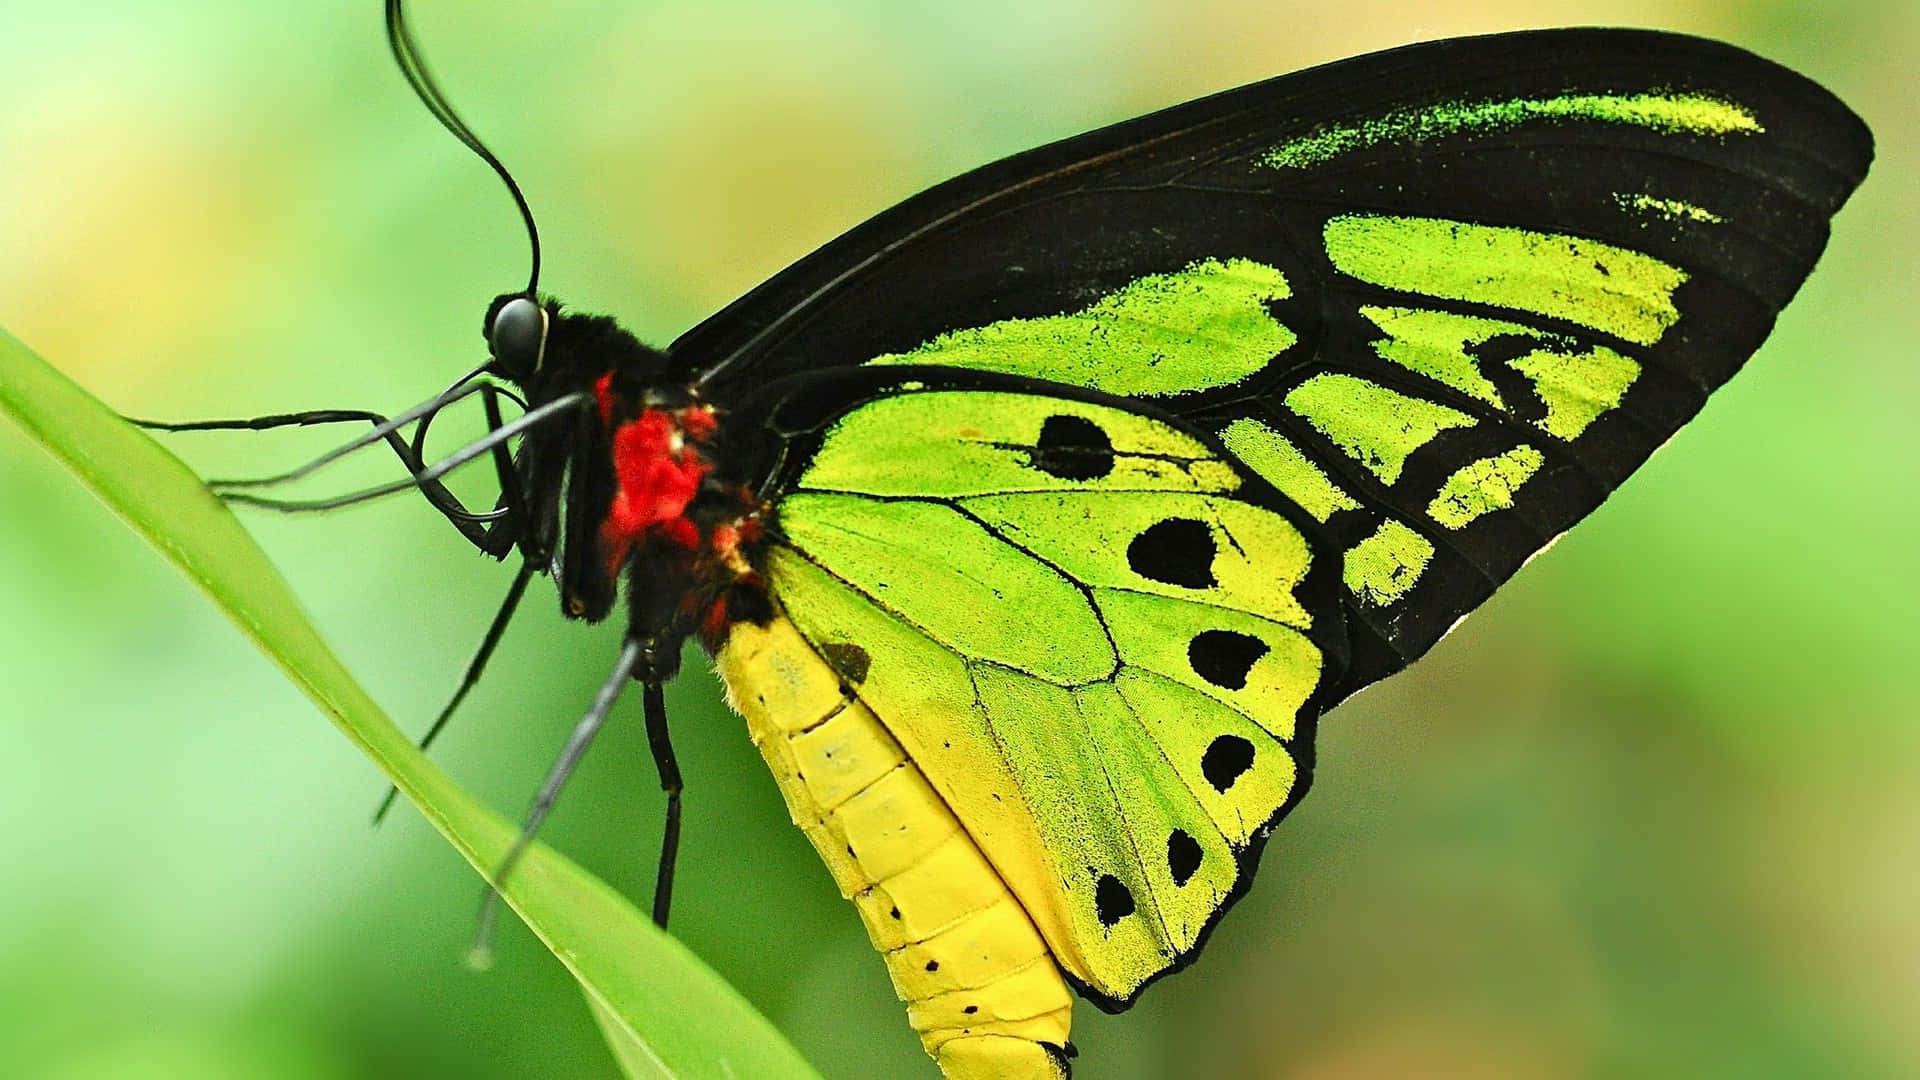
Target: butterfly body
(633, 483)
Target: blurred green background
(1651, 813)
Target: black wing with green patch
(1445, 298)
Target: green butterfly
(1034, 523)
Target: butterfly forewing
(1444, 299)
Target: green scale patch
(1377, 427)
(1163, 334)
(1576, 384)
(1697, 114)
(1586, 282)
(1483, 486)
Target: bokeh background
(1652, 812)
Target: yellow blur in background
(1652, 812)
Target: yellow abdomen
(981, 988)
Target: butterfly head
(548, 353)
(516, 333)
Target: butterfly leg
(631, 656)
(513, 500)
(658, 742)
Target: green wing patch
(1375, 426)
(1671, 209)
(1483, 486)
(1596, 285)
(1098, 651)
(1383, 568)
(881, 450)
(1698, 114)
(1201, 327)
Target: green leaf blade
(665, 1014)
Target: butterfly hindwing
(1090, 628)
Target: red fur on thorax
(657, 471)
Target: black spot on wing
(1072, 448)
(1177, 551)
(1112, 901)
(849, 660)
(1227, 757)
(1183, 856)
(1224, 657)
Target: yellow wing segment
(981, 987)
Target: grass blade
(664, 1012)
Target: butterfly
(1033, 524)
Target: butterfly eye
(518, 337)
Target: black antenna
(407, 54)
